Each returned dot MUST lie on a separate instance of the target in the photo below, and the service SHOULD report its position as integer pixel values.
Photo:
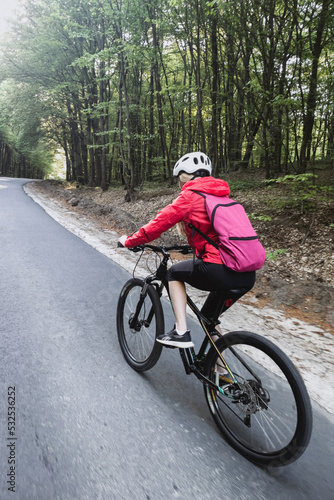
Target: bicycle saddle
(234, 293)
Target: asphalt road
(86, 425)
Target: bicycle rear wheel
(139, 320)
(265, 412)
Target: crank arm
(206, 381)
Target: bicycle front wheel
(139, 320)
(264, 410)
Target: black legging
(214, 278)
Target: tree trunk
(151, 142)
(330, 139)
(308, 121)
(214, 91)
(199, 91)
(129, 179)
(165, 152)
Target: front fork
(134, 323)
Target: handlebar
(134, 249)
(184, 249)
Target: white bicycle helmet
(191, 163)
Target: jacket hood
(209, 185)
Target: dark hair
(200, 173)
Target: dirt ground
(298, 276)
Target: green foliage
(260, 217)
(328, 190)
(23, 134)
(279, 202)
(128, 87)
(276, 254)
(302, 188)
(244, 184)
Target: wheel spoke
(140, 342)
(260, 416)
(137, 335)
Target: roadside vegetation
(125, 88)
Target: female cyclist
(207, 272)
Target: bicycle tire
(277, 408)
(138, 345)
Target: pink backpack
(239, 245)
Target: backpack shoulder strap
(194, 228)
(198, 192)
(207, 238)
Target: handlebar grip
(186, 250)
(137, 249)
(133, 249)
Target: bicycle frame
(192, 361)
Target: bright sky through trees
(7, 9)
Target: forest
(124, 88)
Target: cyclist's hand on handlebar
(187, 249)
(140, 248)
(121, 241)
(121, 244)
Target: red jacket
(188, 207)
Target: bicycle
(260, 404)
